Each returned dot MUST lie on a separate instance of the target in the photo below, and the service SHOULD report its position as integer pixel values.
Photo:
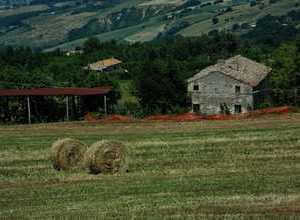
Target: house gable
(218, 84)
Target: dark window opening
(224, 109)
(196, 87)
(237, 109)
(237, 89)
(196, 108)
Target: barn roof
(238, 67)
(103, 64)
(55, 91)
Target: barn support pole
(67, 108)
(28, 110)
(74, 112)
(6, 116)
(295, 96)
(105, 105)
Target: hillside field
(191, 170)
(68, 24)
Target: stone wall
(217, 89)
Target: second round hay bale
(106, 157)
(67, 154)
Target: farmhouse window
(237, 109)
(237, 89)
(196, 108)
(196, 87)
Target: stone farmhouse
(228, 86)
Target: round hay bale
(67, 154)
(106, 157)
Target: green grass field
(211, 169)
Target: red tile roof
(239, 68)
(103, 64)
(55, 91)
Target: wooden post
(67, 107)
(105, 105)
(28, 109)
(74, 112)
(295, 98)
(7, 115)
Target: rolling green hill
(67, 24)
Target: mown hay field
(193, 170)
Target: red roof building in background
(103, 65)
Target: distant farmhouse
(228, 86)
(74, 52)
(104, 65)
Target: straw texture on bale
(67, 154)
(107, 157)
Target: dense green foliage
(271, 30)
(165, 80)
(158, 69)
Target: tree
(215, 20)
(160, 87)
(286, 75)
(236, 27)
(91, 45)
(269, 31)
(253, 3)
